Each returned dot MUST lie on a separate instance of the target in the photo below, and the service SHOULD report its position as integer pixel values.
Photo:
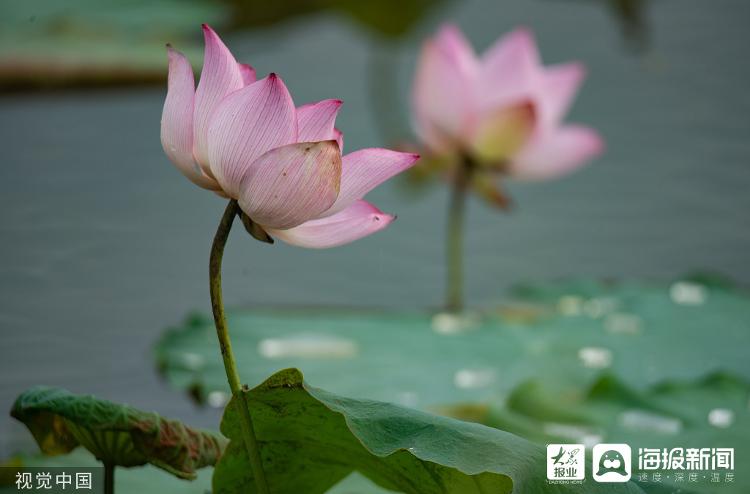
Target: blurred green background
(105, 244)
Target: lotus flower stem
(109, 478)
(454, 298)
(222, 331)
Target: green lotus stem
(454, 297)
(109, 478)
(222, 331)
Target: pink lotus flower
(503, 109)
(244, 139)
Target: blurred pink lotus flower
(503, 109)
(244, 139)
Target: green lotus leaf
(97, 43)
(311, 439)
(115, 434)
(566, 333)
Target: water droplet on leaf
(595, 357)
(687, 293)
(621, 323)
(310, 346)
(449, 323)
(721, 417)
(217, 399)
(474, 378)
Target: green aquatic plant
(117, 435)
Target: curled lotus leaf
(115, 434)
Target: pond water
(105, 244)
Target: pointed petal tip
(450, 33)
(575, 67)
(597, 143)
(410, 157)
(523, 31)
(359, 220)
(452, 39)
(209, 33)
(522, 37)
(171, 51)
(365, 169)
(580, 72)
(568, 149)
(335, 102)
(592, 143)
(580, 67)
(383, 219)
(274, 82)
(248, 74)
(448, 28)
(275, 79)
(374, 211)
(315, 121)
(177, 61)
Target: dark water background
(104, 244)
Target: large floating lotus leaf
(311, 439)
(94, 42)
(711, 412)
(564, 332)
(113, 433)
